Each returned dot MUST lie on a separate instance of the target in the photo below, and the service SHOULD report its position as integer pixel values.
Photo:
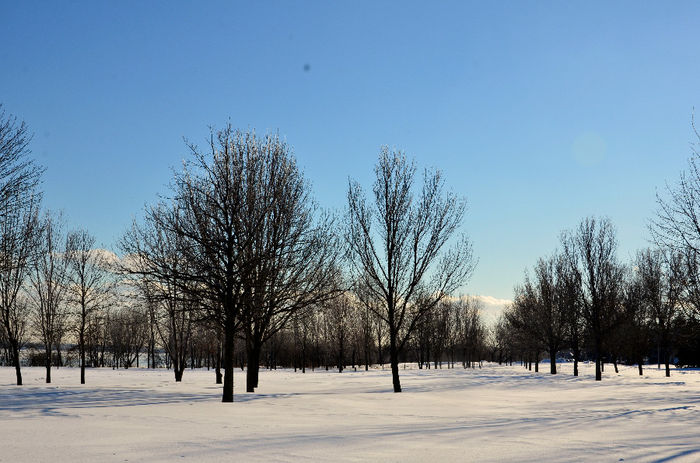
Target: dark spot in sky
(307, 67)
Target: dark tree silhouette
(662, 280)
(19, 229)
(594, 246)
(156, 260)
(48, 288)
(91, 285)
(397, 247)
(539, 311)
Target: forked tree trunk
(178, 368)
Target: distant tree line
(583, 303)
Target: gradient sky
(540, 113)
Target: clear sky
(540, 113)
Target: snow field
(497, 413)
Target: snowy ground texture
(497, 413)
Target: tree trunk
(640, 368)
(81, 346)
(217, 370)
(667, 360)
(303, 358)
(366, 358)
(553, 361)
(341, 355)
(48, 364)
(394, 354)
(253, 368)
(598, 368)
(15, 360)
(229, 360)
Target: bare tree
(19, 230)
(502, 338)
(91, 284)
(157, 260)
(594, 244)
(539, 310)
(403, 262)
(337, 313)
(19, 240)
(204, 215)
(569, 287)
(471, 330)
(48, 288)
(677, 221)
(19, 175)
(292, 248)
(127, 329)
(247, 233)
(635, 327)
(662, 278)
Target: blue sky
(540, 113)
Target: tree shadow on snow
(50, 401)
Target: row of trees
(238, 264)
(338, 335)
(239, 258)
(51, 283)
(241, 246)
(584, 301)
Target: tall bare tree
(471, 330)
(19, 229)
(290, 246)
(398, 246)
(48, 288)
(569, 287)
(91, 284)
(204, 214)
(635, 328)
(254, 253)
(663, 280)
(156, 257)
(594, 245)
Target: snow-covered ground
(497, 413)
